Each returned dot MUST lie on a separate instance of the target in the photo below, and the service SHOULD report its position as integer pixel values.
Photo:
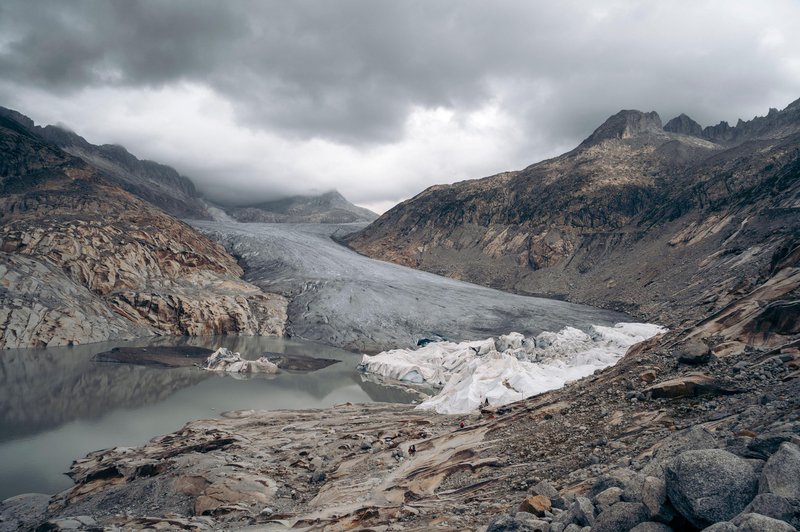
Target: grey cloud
(352, 71)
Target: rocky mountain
(84, 260)
(330, 207)
(694, 429)
(156, 183)
(672, 224)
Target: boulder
(608, 497)
(630, 482)
(690, 385)
(621, 516)
(654, 497)
(546, 489)
(760, 523)
(536, 505)
(781, 473)
(23, 512)
(581, 512)
(776, 507)
(651, 526)
(765, 445)
(708, 486)
(722, 526)
(693, 352)
(648, 376)
(691, 439)
(521, 522)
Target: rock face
(661, 222)
(87, 261)
(156, 183)
(330, 207)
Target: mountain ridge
(166, 188)
(83, 260)
(328, 207)
(624, 220)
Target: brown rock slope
(155, 183)
(667, 225)
(84, 260)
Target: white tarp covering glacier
(224, 360)
(509, 368)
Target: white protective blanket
(508, 368)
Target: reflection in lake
(58, 404)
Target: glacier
(224, 360)
(508, 368)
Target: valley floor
(350, 466)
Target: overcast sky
(380, 99)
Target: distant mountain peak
(625, 124)
(327, 207)
(683, 124)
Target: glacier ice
(509, 368)
(225, 360)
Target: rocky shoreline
(635, 443)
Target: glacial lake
(58, 404)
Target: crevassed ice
(508, 368)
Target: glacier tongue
(508, 368)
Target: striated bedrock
(124, 265)
(666, 223)
(40, 306)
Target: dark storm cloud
(353, 72)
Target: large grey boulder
(581, 512)
(708, 486)
(765, 445)
(776, 507)
(722, 526)
(521, 522)
(654, 497)
(546, 489)
(630, 482)
(691, 439)
(760, 523)
(781, 473)
(621, 516)
(651, 526)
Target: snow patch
(509, 368)
(226, 361)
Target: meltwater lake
(58, 404)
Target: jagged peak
(685, 125)
(625, 124)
